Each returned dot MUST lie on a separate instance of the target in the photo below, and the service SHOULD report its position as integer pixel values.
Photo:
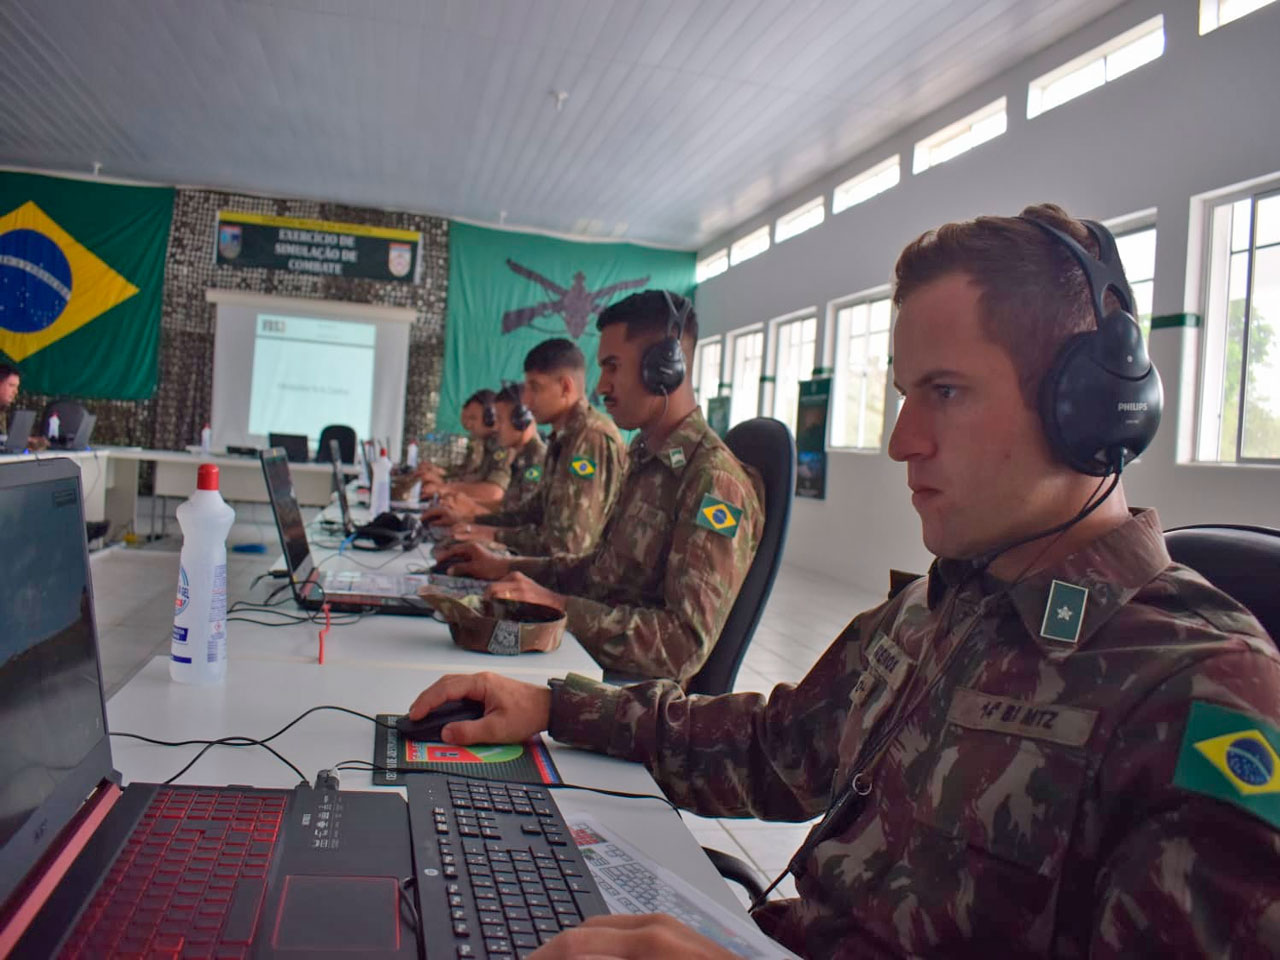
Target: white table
(259, 697)
(95, 475)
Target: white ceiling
(684, 117)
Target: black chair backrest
(767, 445)
(70, 414)
(346, 438)
(1241, 561)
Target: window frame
(700, 273)
(1098, 54)
(871, 173)
(782, 231)
(770, 368)
(733, 337)
(696, 379)
(840, 361)
(956, 129)
(1215, 5)
(762, 231)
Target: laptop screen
(340, 483)
(293, 535)
(51, 710)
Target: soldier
(569, 511)
(651, 598)
(1057, 743)
(480, 422)
(488, 482)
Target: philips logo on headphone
(1131, 407)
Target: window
(706, 370)
(1240, 387)
(867, 184)
(861, 374)
(962, 136)
(802, 218)
(752, 245)
(1138, 256)
(748, 354)
(712, 265)
(1215, 13)
(1113, 59)
(795, 353)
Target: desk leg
(122, 494)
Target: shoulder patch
(500, 456)
(676, 456)
(534, 473)
(719, 516)
(1232, 757)
(583, 467)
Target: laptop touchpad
(319, 914)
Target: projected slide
(309, 373)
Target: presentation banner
(510, 291)
(81, 279)
(718, 414)
(318, 247)
(811, 438)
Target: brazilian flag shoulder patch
(583, 467)
(1232, 757)
(719, 516)
(533, 474)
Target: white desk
(260, 697)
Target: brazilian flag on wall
(510, 291)
(81, 277)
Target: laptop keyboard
(499, 874)
(189, 881)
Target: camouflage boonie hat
(501, 627)
(402, 485)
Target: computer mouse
(429, 727)
(444, 566)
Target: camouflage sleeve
(1192, 780)
(736, 755)
(499, 470)
(577, 505)
(526, 539)
(704, 569)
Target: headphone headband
(662, 365)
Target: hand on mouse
(441, 514)
(473, 560)
(472, 531)
(518, 587)
(514, 710)
(618, 936)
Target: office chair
(346, 438)
(1241, 561)
(70, 414)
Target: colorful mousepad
(528, 762)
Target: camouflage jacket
(474, 460)
(582, 475)
(526, 474)
(1039, 770)
(652, 597)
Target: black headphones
(1100, 402)
(488, 415)
(521, 416)
(662, 365)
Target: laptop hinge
(68, 847)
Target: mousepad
(528, 762)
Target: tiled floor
(133, 591)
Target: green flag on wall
(510, 291)
(81, 278)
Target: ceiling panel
(683, 117)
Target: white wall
(1202, 117)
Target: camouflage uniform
(496, 468)
(526, 474)
(477, 450)
(571, 507)
(652, 597)
(1023, 794)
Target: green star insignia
(583, 467)
(1064, 612)
(719, 516)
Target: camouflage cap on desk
(498, 626)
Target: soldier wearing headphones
(1058, 743)
(518, 434)
(651, 598)
(480, 421)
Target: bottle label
(179, 634)
(183, 597)
(218, 614)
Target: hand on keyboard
(621, 935)
(514, 710)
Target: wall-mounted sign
(317, 247)
(811, 437)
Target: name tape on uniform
(1054, 722)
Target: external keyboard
(498, 873)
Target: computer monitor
(284, 505)
(340, 486)
(295, 445)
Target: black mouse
(444, 566)
(429, 727)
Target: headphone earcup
(1095, 418)
(490, 416)
(662, 366)
(521, 417)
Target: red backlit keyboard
(189, 881)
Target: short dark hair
(8, 370)
(555, 356)
(509, 394)
(483, 397)
(648, 313)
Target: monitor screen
(51, 709)
(293, 536)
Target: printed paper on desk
(632, 883)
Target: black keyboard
(498, 873)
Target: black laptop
(90, 869)
(21, 422)
(359, 589)
(294, 445)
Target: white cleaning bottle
(411, 458)
(199, 647)
(380, 493)
(206, 440)
(55, 427)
